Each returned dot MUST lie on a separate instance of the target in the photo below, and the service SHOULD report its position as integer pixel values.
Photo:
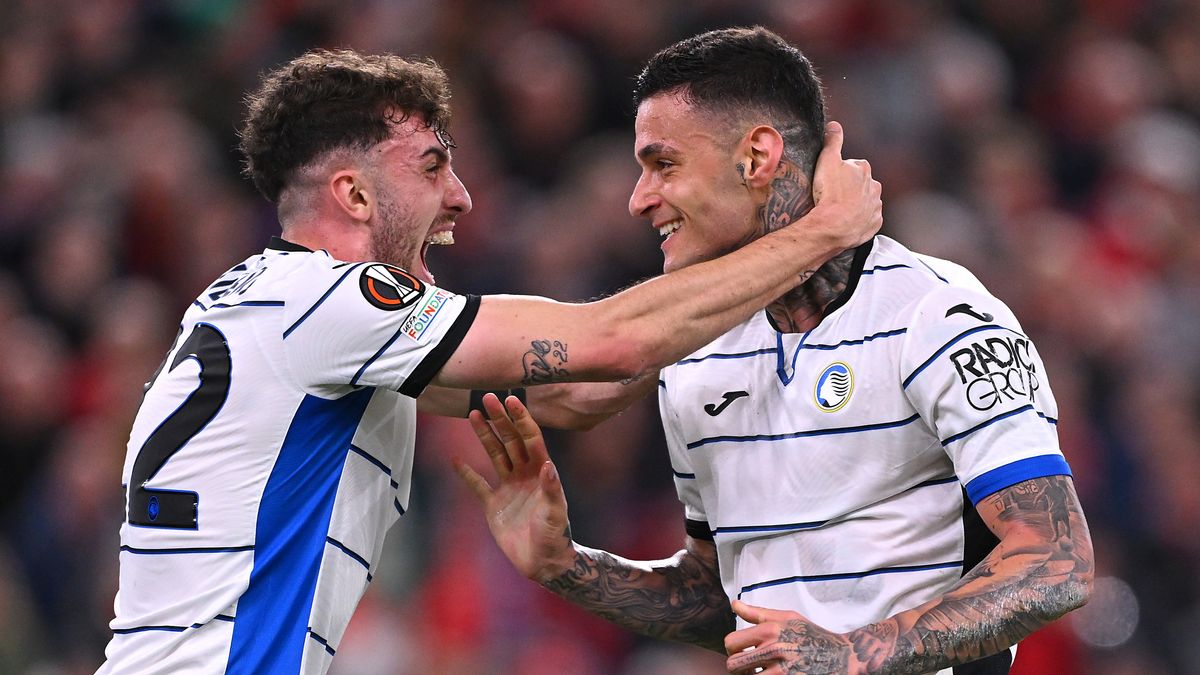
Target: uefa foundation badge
(834, 387)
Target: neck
(802, 308)
(341, 244)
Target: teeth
(443, 238)
(667, 228)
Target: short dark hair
(734, 68)
(326, 100)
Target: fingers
(551, 484)
(473, 480)
(739, 640)
(491, 444)
(531, 433)
(505, 430)
(756, 615)
(834, 135)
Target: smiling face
(417, 197)
(690, 189)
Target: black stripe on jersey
(771, 528)
(935, 481)
(925, 364)
(687, 476)
(281, 244)
(320, 300)
(346, 549)
(396, 503)
(996, 664)
(662, 384)
(198, 549)
(850, 575)
(856, 269)
(847, 343)
(250, 303)
(934, 272)
(803, 434)
(372, 459)
(1025, 408)
(171, 629)
(884, 268)
(437, 357)
(321, 641)
(202, 307)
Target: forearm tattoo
(683, 602)
(1011, 593)
(544, 362)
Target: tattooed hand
(787, 641)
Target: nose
(644, 199)
(457, 198)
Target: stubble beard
(393, 239)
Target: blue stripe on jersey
(293, 521)
(662, 384)
(1010, 474)
(736, 355)
(991, 326)
(1002, 416)
(396, 503)
(320, 300)
(370, 458)
(686, 476)
(849, 575)
(803, 434)
(346, 549)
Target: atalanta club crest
(834, 387)
(389, 287)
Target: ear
(352, 195)
(759, 154)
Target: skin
(1041, 569)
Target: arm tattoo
(543, 362)
(1017, 589)
(682, 600)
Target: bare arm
(521, 341)
(576, 405)
(679, 598)
(1041, 569)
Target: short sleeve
(371, 324)
(979, 383)
(686, 482)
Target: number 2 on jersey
(178, 508)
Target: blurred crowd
(1052, 147)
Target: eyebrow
(653, 149)
(441, 155)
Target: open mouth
(667, 228)
(441, 238)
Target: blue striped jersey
(270, 455)
(829, 466)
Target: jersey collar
(280, 244)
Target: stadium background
(1052, 147)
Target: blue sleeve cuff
(1011, 474)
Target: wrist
(558, 566)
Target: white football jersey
(272, 452)
(829, 467)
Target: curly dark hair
(735, 69)
(326, 100)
